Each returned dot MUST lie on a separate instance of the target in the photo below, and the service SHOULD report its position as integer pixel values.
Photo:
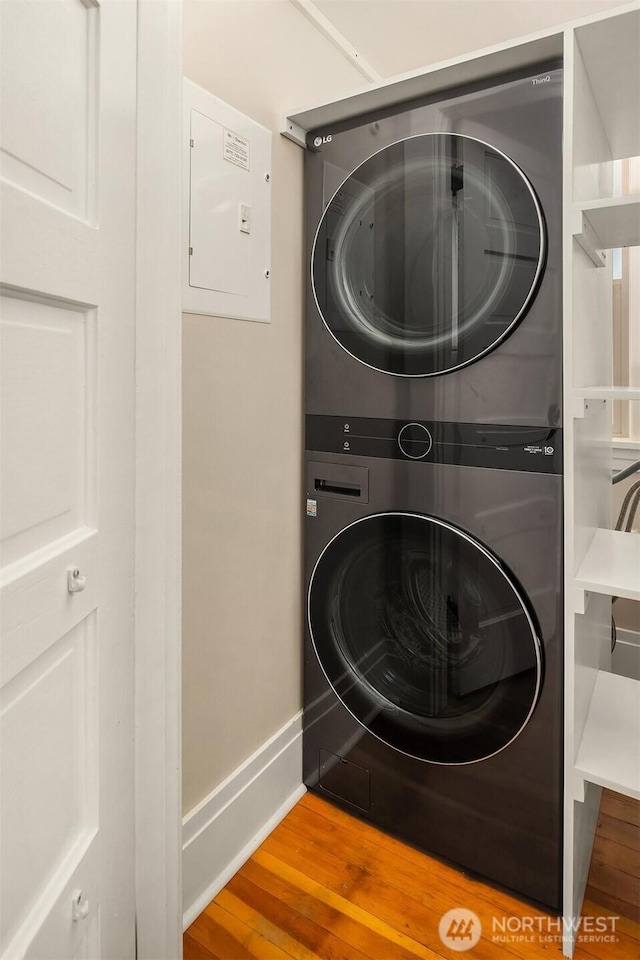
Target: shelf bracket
(293, 131)
(589, 240)
(580, 407)
(581, 599)
(577, 787)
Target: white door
(67, 272)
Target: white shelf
(469, 68)
(609, 753)
(614, 221)
(607, 393)
(609, 47)
(612, 565)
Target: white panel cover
(227, 210)
(221, 251)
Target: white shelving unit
(601, 225)
(601, 124)
(605, 756)
(602, 710)
(615, 220)
(607, 393)
(611, 566)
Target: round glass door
(425, 637)
(428, 255)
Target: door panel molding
(68, 472)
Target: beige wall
(400, 35)
(243, 416)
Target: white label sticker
(235, 149)
(338, 203)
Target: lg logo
(320, 140)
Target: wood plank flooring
(325, 886)
(614, 877)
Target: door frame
(158, 415)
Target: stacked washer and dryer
(433, 544)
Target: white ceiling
(395, 36)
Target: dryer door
(428, 255)
(426, 637)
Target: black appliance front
(434, 246)
(433, 657)
(431, 255)
(425, 637)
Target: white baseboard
(222, 832)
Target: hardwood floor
(614, 877)
(325, 886)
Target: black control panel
(497, 446)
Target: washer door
(428, 255)
(425, 637)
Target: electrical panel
(227, 210)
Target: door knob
(79, 905)
(75, 582)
